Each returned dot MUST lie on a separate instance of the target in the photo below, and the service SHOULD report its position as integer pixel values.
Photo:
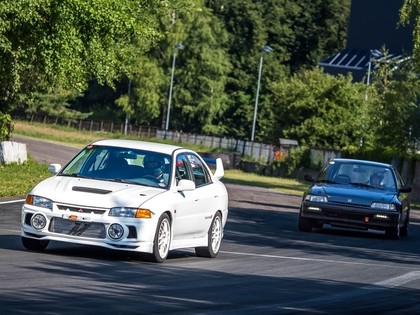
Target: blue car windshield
(353, 173)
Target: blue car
(357, 194)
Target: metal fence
(261, 152)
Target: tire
(33, 244)
(305, 224)
(394, 232)
(162, 241)
(215, 235)
(404, 229)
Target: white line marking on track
(11, 201)
(317, 260)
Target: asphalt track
(265, 266)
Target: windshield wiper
(125, 181)
(73, 175)
(327, 181)
(366, 185)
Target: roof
(141, 145)
(284, 141)
(373, 25)
(354, 59)
(366, 162)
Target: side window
(199, 171)
(399, 180)
(181, 169)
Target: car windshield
(121, 165)
(358, 174)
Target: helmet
(154, 164)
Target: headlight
(130, 212)
(316, 198)
(383, 206)
(123, 212)
(39, 201)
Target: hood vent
(91, 190)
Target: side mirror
(405, 189)
(309, 178)
(54, 168)
(185, 185)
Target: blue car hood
(353, 194)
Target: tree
(56, 105)
(321, 110)
(397, 115)
(410, 13)
(301, 33)
(200, 99)
(48, 45)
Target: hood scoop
(91, 190)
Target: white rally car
(132, 196)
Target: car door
(196, 207)
(186, 214)
(206, 195)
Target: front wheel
(404, 229)
(215, 235)
(33, 244)
(162, 240)
(395, 231)
(305, 224)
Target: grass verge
(16, 180)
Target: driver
(154, 165)
(375, 180)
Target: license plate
(73, 217)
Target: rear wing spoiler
(220, 170)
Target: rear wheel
(162, 240)
(33, 244)
(215, 235)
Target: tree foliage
(320, 110)
(47, 44)
(397, 114)
(120, 54)
(410, 14)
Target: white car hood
(95, 193)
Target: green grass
(285, 185)
(17, 180)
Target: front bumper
(89, 229)
(350, 216)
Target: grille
(80, 210)
(345, 215)
(85, 229)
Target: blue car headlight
(383, 206)
(316, 198)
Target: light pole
(168, 113)
(126, 115)
(266, 49)
(376, 54)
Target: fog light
(381, 216)
(313, 208)
(39, 221)
(115, 231)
